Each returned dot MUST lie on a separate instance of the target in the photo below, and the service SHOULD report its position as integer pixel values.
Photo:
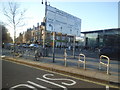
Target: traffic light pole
(53, 47)
(45, 32)
(74, 47)
(45, 24)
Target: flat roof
(98, 31)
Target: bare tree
(19, 39)
(15, 17)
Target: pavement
(92, 71)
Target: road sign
(60, 21)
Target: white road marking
(40, 86)
(21, 85)
(52, 83)
(68, 84)
(107, 87)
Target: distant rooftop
(98, 31)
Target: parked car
(8, 45)
(20, 45)
(33, 45)
(25, 45)
(111, 52)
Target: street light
(42, 2)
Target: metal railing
(105, 64)
(28, 53)
(82, 61)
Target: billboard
(62, 22)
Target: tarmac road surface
(22, 76)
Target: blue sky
(94, 15)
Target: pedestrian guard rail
(102, 59)
(80, 60)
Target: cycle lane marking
(65, 88)
(33, 85)
(37, 85)
(68, 84)
(22, 85)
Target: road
(22, 76)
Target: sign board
(62, 22)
